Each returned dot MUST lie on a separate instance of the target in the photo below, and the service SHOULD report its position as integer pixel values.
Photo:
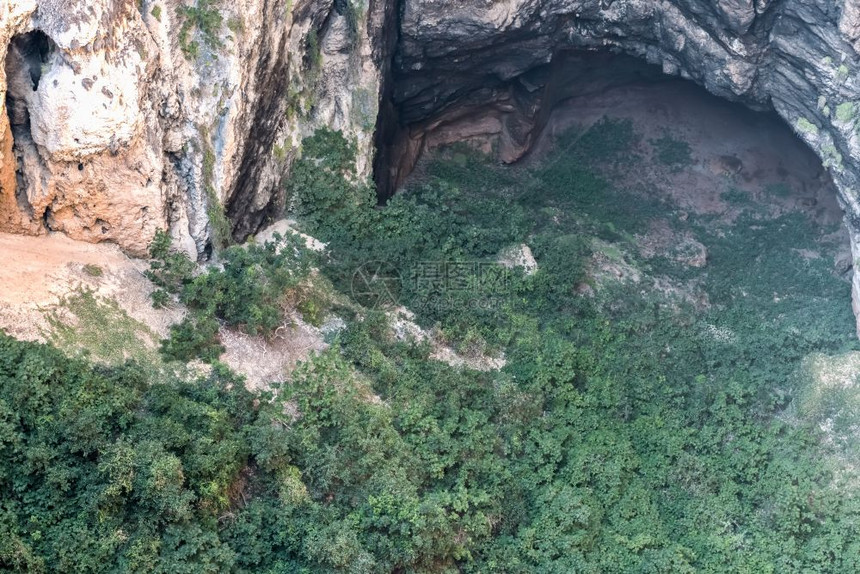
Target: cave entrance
(753, 148)
(24, 64)
(665, 182)
(706, 153)
(27, 54)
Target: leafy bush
(160, 299)
(206, 19)
(672, 152)
(736, 197)
(168, 268)
(246, 291)
(195, 337)
(93, 270)
(323, 186)
(106, 469)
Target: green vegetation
(314, 50)
(830, 156)
(204, 18)
(672, 152)
(169, 269)
(236, 25)
(93, 270)
(734, 196)
(105, 469)
(76, 325)
(221, 229)
(156, 12)
(804, 126)
(627, 431)
(280, 151)
(365, 108)
(246, 291)
(160, 299)
(631, 433)
(323, 190)
(846, 111)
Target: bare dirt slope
(37, 273)
(93, 298)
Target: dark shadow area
(509, 119)
(27, 55)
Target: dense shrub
(107, 469)
(246, 290)
(195, 337)
(168, 268)
(323, 187)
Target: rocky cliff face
(119, 117)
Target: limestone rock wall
(121, 117)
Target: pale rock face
(519, 256)
(84, 157)
(77, 113)
(116, 131)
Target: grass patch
(77, 326)
(93, 270)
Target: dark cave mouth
(701, 154)
(516, 121)
(27, 55)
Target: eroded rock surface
(121, 117)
